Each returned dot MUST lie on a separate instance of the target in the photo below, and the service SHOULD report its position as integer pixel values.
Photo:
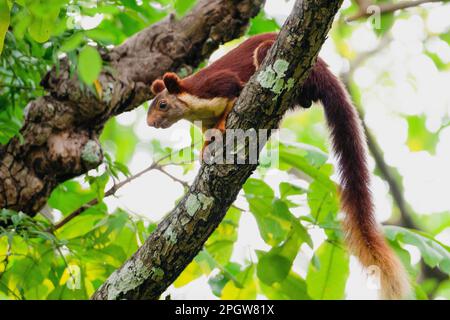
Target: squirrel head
(166, 108)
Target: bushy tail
(362, 232)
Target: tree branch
(182, 234)
(93, 202)
(61, 130)
(112, 191)
(365, 7)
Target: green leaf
(4, 22)
(445, 37)
(84, 223)
(288, 189)
(122, 168)
(101, 8)
(131, 23)
(434, 223)
(258, 189)
(419, 293)
(44, 16)
(419, 137)
(31, 270)
(246, 290)
(438, 62)
(262, 24)
(39, 30)
(103, 36)
(328, 282)
(260, 198)
(190, 273)
(433, 252)
(273, 268)
(307, 159)
(405, 258)
(73, 42)
(323, 203)
(98, 184)
(183, 6)
(293, 287)
(119, 140)
(443, 291)
(220, 243)
(275, 265)
(89, 65)
(218, 282)
(69, 196)
(274, 219)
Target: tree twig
(95, 201)
(155, 165)
(365, 6)
(183, 183)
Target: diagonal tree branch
(182, 234)
(61, 130)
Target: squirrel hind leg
(221, 124)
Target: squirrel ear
(172, 82)
(158, 86)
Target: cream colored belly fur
(206, 110)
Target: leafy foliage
(35, 34)
(327, 276)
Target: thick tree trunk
(61, 130)
(180, 236)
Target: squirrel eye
(163, 105)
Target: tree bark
(61, 130)
(182, 234)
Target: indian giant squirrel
(210, 94)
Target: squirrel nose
(153, 123)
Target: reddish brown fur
(261, 52)
(225, 78)
(238, 61)
(236, 67)
(158, 86)
(363, 235)
(226, 85)
(173, 83)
